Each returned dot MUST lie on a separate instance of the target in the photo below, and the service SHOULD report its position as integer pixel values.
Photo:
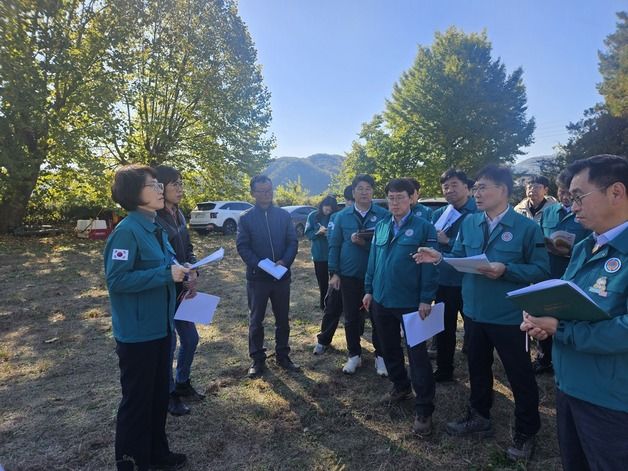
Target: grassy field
(59, 386)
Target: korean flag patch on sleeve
(120, 254)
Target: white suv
(218, 215)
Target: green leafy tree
(614, 69)
(456, 106)
(291, 193)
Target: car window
(227, 206)
(240, 206)
(205, 206)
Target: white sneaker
(319, 349)
(352, 364)
(380, 366)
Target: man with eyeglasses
(395, 286)
(515, 248)
(555, 218)
(537, 198)
(591, 358)
(349, 245)
(266, 231)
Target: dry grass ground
(59, 385)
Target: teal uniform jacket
(320, 246)
(449, 276)
(518, 243)
(141, 288)
(556, 218)
(422, 211)
(393, 277)
(345, 257)
(591, 358)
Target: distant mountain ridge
(315, 171)
(532, 165)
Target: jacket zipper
(269, 237)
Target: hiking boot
(257, 368)
(541, 367)
(522, 447)
(171, 462)
(393, 396)
(176, 406)
(319, 349)
(187, 391)
(422, 426)
(287, 364)
(380, 366)
(441, 376)
(353, 363)
(470, 424)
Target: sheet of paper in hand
(277, 271)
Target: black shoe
(187, 391)
(441, 377)
(522, 447)
(170, 463)
(286, 364)
(541, 367)
(257, 368)
(176, 406)
(471, 424)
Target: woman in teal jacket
(316, 231)
(141, 280)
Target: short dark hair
(416, 185)
(259, 179)
(604, 169)
(348, 193)
(328, 201)
(455, 173)
(128, 183)
(539, 180)
(399, 185)
(563, 178)
(362, 177)
(166, 174)
(498, 174)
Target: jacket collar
(507, 220)
(142, 219)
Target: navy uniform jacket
(518, 243)
(591, 358)
(140, 284)
(266, 234)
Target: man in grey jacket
(266, 231)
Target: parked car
(433, 203)
(299, 216)
(217, 215)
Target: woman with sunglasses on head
(171, 219)
(141, 281)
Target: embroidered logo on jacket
(120, 254)
(612, 265)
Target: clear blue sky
(331, 64)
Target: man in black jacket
(266, 231)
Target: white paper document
(468, 264)
(419, 330)
(269, 267)
(200, 309)
(212, 257)
(447, 219)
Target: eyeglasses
(396, 199)
(263, 192)
(360, 189)
(157, 186)
(482, 188)
(577, 199)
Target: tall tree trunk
(20, 186)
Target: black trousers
(352, 290)
(388, 322)
(545, 351)
(591, 437)
(446, 340)
(322, 277)
(331, 316)
(258, 293)
(509, 341)
(141, 420)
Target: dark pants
(446, 340)
(141, 420)
(331, 316)
(591, 437)
(388, 321)
(258, 293)
(545, 351)
(322, 277)
(352, 290)
(509, 341)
